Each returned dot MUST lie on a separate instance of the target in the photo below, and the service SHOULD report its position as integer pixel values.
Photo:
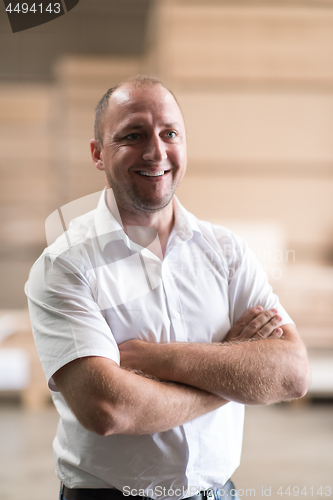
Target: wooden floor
(283, 446)
(287, 446)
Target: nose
(154, 149)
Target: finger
(276, 334)
(269, 328)
(258, 323)
(243, 321)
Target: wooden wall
(255, 82)
(45, 161)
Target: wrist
(167, 360)
(158, 360)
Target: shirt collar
(109, 226)
(185, 226)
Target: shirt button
(176, 315)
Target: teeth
(151, 174)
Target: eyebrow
(172, 125)
(140, 126)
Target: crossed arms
(160, 386)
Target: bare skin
(269, 370)
(143, 156)
(144, 132)
(107, 399)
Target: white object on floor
(14, 369)
(322, 375)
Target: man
(154, 328)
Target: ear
(96, 154)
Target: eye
(132, 137)
(171, 134)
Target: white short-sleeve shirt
(89, 296)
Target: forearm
(147, 406)
(122, 402)
(255, 372)
(249, 373)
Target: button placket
(173, 302)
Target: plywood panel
(302, 207)
(220, 42)
(251, 127)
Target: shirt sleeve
(67, 323)
(248, 282)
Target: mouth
(147, 173)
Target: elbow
(102, 426)
(103, 431)
(286, 383)
(302, 383)
(299, 380)
(111, 420)
(293, 384)
(102, 420)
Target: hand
(135, 354)
(256, 324)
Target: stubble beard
(133, 199)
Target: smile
(151, 174)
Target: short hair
(100, 111)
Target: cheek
(125, 158)
(179, 158)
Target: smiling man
(141, 146)
(154, 328)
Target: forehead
(151, 102)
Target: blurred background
(255, 83)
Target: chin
(148, 206)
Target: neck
(144, 227)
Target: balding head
(143, 81)
(141, 146)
